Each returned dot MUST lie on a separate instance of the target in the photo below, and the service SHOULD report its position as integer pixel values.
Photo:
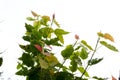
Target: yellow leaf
(52, 60)
(46, 17)
(34, 14)
(43, 64)
(109, 37)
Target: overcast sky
(82, 17)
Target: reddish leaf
(39, 48)
(34, 14)
(76, 37)
(113, 78)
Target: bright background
(82, 17)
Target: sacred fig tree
(38, 62)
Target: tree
(38, 62)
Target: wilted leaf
(94, 61)
(109, 37)
(86, 44)
(83, 53)
(109, 46)
(82, 70)
(67, 52)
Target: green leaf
(30, 19)
(26, 38)
(78, 47)
(109, 46)
(44, 20)
(19, 66)
(94, 61)
(67, 52)
(60, 32)
(36, 25)
(53, 41)
(60, 37)
(36, 35)
(86, 44)
(46, 32)
(83, 53)
(1, 61)
(23, 71)
(97, 78)
(63, 76)
(27, 60)
(28, 27)
(82, 70)
(100, 34)
(56, 23)
(73, 66)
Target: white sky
(82, 17)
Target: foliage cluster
(38, 62)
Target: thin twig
(91, 57)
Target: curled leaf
(109, 37)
